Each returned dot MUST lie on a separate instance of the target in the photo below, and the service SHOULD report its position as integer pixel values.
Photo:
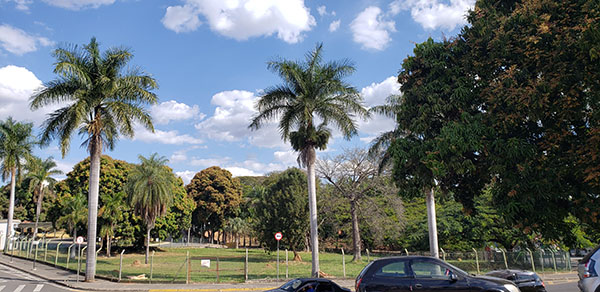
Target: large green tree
(41, 182)
(217, 195)
(538, 70)
(150, 191)
(101, 102)
(313, 97)
(282, 207)
(442, 126)
(16, 143)
(75, 213)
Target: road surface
(12, 280)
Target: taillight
(357, 284)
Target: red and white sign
(80, 239)
(278, 236)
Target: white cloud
(164, 137)
(17, 84)
(78, 4)
(19, 42)
(208, 162)
(376, 94)
(240, 171)
(231, 118)
(322, 10)
(65, 167)
(243, 19)
(178, 156)
(172, 110)
(181, 18)
(334, 25)
(22, 5)
(186, 175)
(288, 157)
(433, 14)
(371, 29)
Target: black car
(527, 281)
(310, 285)
(418, 273)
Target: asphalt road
(12, 280)
(567, 287)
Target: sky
(210, 60)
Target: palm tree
(41, 182)
(380, 145)
(236, 226)
(312, 96)
(16, 142)
(149, 185)
(111, 211)
(75, 212)
(101, 104)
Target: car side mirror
(453, 277)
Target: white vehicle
(588, 270)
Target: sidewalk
(69, 279)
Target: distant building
(3, 223)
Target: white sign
(278, 236)
(205, 263)
(80, 239)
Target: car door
(390, 276)
(430, 275)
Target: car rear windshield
(587, 257)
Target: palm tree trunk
(94, 188)
(312, 206)
(38, 210)
(432, 224)
(355, 231)
(11, 208)
(147, 244)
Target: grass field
(170, 265)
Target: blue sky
(209, 57)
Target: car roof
(314, 279)
(406, 257)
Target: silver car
(588, 270)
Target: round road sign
(278, 236)
(80, 239)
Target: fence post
(406, 251)
(56, 256)
(187, 258)
(46, 248)
(344, 262)
(531, 258)
(504, 256)
(12, 248)
(151, 265)
(79, 259)
(368, 256)
(286, 264)
(217, 269)
(246, 267)
(476, 260)
(121, 264)
(69, 254)
(542, 259)
(443, 253)
(29, 242)
(568, 255)
(553, 260)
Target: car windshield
(291, 285)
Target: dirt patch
(136, 263)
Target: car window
(587, 257)
(324, 287)
(291, 285)
(430, 270)
(396, 269)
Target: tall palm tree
(75, 212)
(313, 96)
(101, 104)
(380, 145)
(41, 182)
(16, 143)
(111, 211)
(149, 185)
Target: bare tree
(355, 176)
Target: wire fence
(218, 265)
